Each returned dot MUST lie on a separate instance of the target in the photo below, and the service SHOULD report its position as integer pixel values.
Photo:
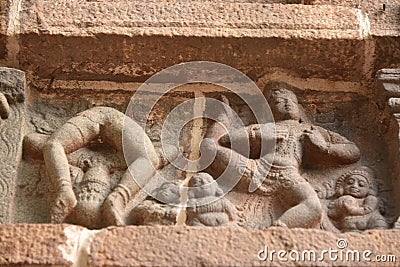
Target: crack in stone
(197, 136)
(77, 246)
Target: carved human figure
(276, 171)
(106, 124)
(167, 193)
(163, 209)
(91, 185)
(207, 207)
(356, 207)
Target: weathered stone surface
(4, 9)
(387, 52)
(191, 246)
(65, 245)
(143, 38)
(162, 18)
(12, 130)
(383, 16)
(38, 245)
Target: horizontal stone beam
(131, 40)
(68, 245)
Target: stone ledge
(128, 41)
(68, 245)
(37, 245)
(194, 19)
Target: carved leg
(65, 140)
(225, 118)
(228, 163)
(58, 171)
(306, 211)
(128, 191)
(142, 162)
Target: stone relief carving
(297, 143)
(12, 113)
(155, 211)
(89, 200)
(388, 84)
(98, 191)
(206, 207)
(355, 205)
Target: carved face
(168, 193)
(356, 186)
(285, 107)
(199, 190)
(196, 181)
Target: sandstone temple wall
(60, 59)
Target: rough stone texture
(384, 17)
(38, 245)
(12, 131)
(331, 42)
(388, 86)
(64, 245)
(187, 246)
(143, 38)
(155, 18)
(325, 48)
(4, 9)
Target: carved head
(90, 193)
(168, 193)
(358, 183)
(204, 185)
(283, 102)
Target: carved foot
(65, 203)
(279, 223)
(113, 208)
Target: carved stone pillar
(12, 128)
(388, 85)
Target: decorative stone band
(12, 87)
(387, 84)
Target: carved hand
(314, 137)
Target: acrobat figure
(106, 124)
(276, 171)
(356, 207)
(206, 205)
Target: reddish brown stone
(192, 246)
(127, 41)
(37, 244)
